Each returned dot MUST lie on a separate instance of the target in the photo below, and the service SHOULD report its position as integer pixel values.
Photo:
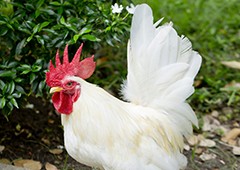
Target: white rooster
(147, 131)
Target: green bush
(31, 31)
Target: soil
(31, 133)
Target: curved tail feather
(161, 69)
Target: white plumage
(145, 133)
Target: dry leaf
(236, 124)
(231, 135)
(29, 106)
(207, 143)
(232, 84)
(206, 156)
(49, 166)
(193, 140)
(215, 113)
(222, 162)
(28, 163)
(56, 151)
(206, 123)
(232, 142)
(210, 123)
(51, 121)
(186, 147)
(46, 141)
(101, 60)
(197, 83)
(236, 150)
(5, 161)
(231, 64)
(198, 151)
(2, 148)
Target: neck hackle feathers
(82, 69)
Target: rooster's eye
(69, 83)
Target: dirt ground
(36, 133)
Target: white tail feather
(161, 69)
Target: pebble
(236, 150)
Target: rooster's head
(65, 91)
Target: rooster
(145, 131)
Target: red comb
(83, 69)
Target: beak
(56, 89)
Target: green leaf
(6, 112)
(55, 3)
(76, 37)
(10, 105)
(90, 37)
(85, 30)
(34, 86)
(5, 89)
(24, 67)
(20, 89)
(40, 88)
(108, 28)
(29, 6)
(3, 20)
(19, 47)
(2, 102)
(11, 87)
(24, 29)
(41, 85)
(18, 127)
(37, 13)
(62, 20)
(66, 3)
(8, 89)
(42, 25)
(2, 84)
(51, 31)
(18, 80)
(54, 41)
(40, 39)
(30, 38)
(14, 102)
(39, 3)
(39, 61)
(32, 77)
(10, 26)
(48, 11)
(3, 31)
(25, 71)
(12, 64)
(8, 73)
(36, 28)
(16, 95)
(36, 68)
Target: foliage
(31, 31)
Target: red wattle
(62, 102)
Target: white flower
(116, 8)
(130, 9)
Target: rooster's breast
(75, 146)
